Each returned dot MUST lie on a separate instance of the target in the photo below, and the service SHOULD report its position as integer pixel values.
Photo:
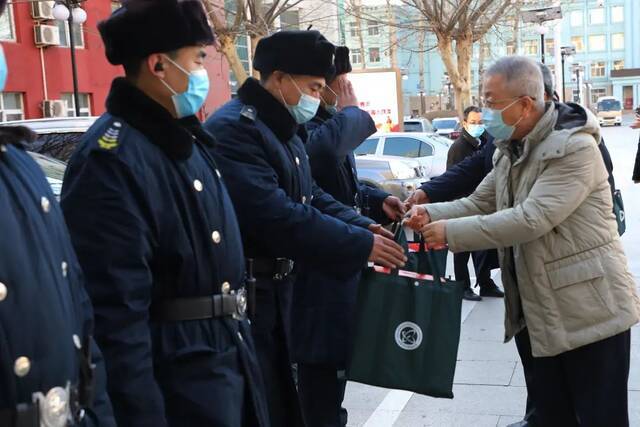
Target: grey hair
(523, 77)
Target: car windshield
(609, 105)
(445, 123)
(412, 127)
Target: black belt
(275, 268)
(198, 308)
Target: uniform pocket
(581, 293)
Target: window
(7, 28)
(618, 65)
(84, 99)
(353, 29)
(369, 146)
(549, 46)
(531, 47)
(425, 149)
(511, 48)
(617, 14)
(578, 43)
(11, 106)
(373, 28)
(78, 36)
(597, 93)
(290, 20)
(617, 41)
(356, 56)
(596, 16)
(402, 147)
(374, 55)
(597, 43)
(597, 69)
(576, 18)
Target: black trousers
(480, 265)
(321, 389)
(585, 387)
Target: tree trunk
(255, 38)
(228, 49)
(480, 71)
(421, 56)
(464, 50)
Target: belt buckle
(54, 407)
(241, 304)
(285, 267)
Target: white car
(429, 149)
(447, 126)
(399, 177)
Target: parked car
(449, 127)
(430, 150)
(418, 125)
(397, 176)
(57, 137)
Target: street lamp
(423, 108)
(71, 12)
(577, 68)
(539, 17)
(566, 52)
(446, 82)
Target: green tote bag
(407, 330)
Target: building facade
(40, 73)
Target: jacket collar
(270, 110)
(174, 136)
(475, 143)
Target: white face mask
(305, 109)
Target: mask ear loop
(334, 94)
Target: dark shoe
(522, 423)
(490, 289)
(469, 295)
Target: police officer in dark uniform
(51, 371)
(284, 216)
(157, 233)
(324, 303)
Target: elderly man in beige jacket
(570, 298)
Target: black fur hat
(296, 52)
(143, 27)
(343, 64)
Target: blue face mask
(190, 102)
(495, 125)
(4, 70)
(306, 108)
(475, 130)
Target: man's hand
(417, 218)
(344, 90)
(378, 229)
(393, 208)
(418, 197)
(387, 253)
(435, 234)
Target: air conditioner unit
(46, 35)
(42, 10)
(54, 108)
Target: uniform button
(3, 291)
(298, 161)
(225, 288)
(216, 237)
(3, 148)
(77, 342)
(197, 184)
(304, 199)
(65, 268)
(218, 173)
(46, 205)
(240, 337)
(22, 366)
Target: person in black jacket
(470, 142)
(287, 220)
(636, 169)
(324, 303)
